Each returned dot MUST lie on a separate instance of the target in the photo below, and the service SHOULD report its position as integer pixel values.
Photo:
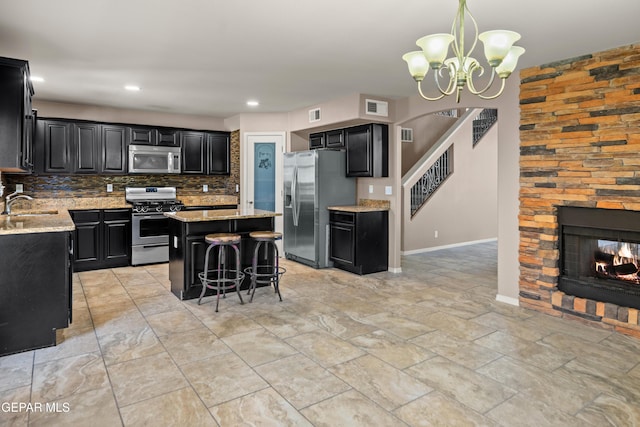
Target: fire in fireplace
(599, 254)
(617, 260)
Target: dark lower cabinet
(187, 249)
(35, 289)
(359, 241)
(103, 238)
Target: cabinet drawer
(117, 215)
(342, 217)
(80, 217)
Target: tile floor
(430, 346)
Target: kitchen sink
(32, 213)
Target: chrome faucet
(12, 198)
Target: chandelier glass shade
(458, 71)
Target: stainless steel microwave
(154, 159)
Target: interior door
(263, 186)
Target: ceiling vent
(377, 108)
(314, 115)
(406, 135)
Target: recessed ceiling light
(253, 103)
(36, 79)
(132, 88)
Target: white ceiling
(210, 56)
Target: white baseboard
(455, 245)
(507, 300)
(397, 270)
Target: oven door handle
(153, 246)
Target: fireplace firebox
(599, 251)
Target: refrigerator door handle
(294, 196)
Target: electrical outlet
(370, 189)
(205, 188)
(19, 188)
(435, 234)
(388, 190)
(237, 188)
(109, 188)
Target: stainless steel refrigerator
(313, 180)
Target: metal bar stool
(223, 280)
(265, 273)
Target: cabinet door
(56, 141)
(316, 140)
(193, 152)
(342, 246)
(88, 242)
(114, 148)
(143, 136)
(86, 147)
(28, 126)
(117, 242)
(358, 143)
(194, 261)
(218, 154)
(168, 137)
(334, 138)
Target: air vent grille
(314, 115)
(406, 135)
(377, 108)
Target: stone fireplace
(579, 216)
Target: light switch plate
(19, 188)
(109, 188)
(370, 189)
(388, 190)
(205, 188)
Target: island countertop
(36, 222)
(220, 214)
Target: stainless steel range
(149, 226)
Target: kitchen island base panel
(187, 248)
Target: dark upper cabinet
(114, 149)
(334, 138)
(146, 135)
(316, 140)
(367, 150)
(193, 152)
(16, 116)
(54, 147)
(218, 156)
(86, 148)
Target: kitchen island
(187, 247)
(35, 284)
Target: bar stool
(223, 280)
(265, 273)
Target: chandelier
(461, 68)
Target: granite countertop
(26, 222)
(358, 208)
(219, 215)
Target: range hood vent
(314, 115)
(377, 108)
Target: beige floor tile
(144, 378)
(264, 407)
(158, 304)
(171, 322)
(457, 327)
(397, 325)
(13, 415)
(349, 409)
(177, 408)
(222, 378)
(16, 370)
(342, 325)
(224, 324)
(194, 345)
(258, 346)
(391, 349)
(608, 410)
(435, 409)
(121, 346)
(324, 348)
(69, 342)
(125, 319)
(301, 381)
(96, 408)
(465, 353)
(284, 324)
(387, 386)
(145, 290)
(474, 390)
(60, 379)
(525, 410)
